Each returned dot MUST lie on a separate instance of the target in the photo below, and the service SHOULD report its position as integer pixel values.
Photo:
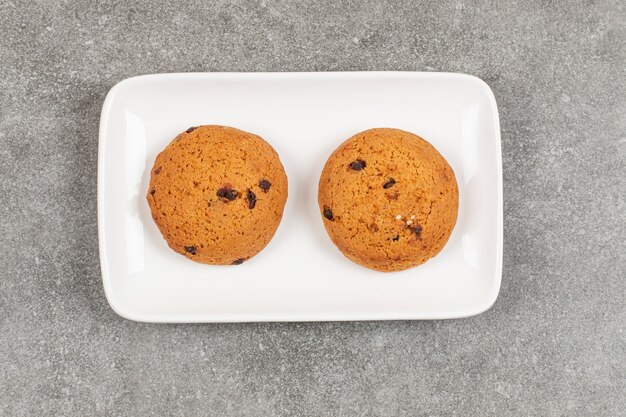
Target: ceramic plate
(300, 275)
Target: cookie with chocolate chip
(388, 199)
(217, 194)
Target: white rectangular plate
(300, 275)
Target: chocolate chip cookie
(388, 199)
(217, 194)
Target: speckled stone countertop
(554, 342)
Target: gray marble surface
(554, 342)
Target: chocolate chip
(157, 171)
(264, 185)
(390, 183)
(191, 249)
(191, 129)
(238, 261)
(417, 229)
(227, 194)
(251, 197)
(152, 191)
(357, 165)
(328, 214)
(396, 238)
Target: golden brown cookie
(388, 199)
(217, 194)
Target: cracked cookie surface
(217, 194)
(388, 199)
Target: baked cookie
(388, 199)
(217, 194)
